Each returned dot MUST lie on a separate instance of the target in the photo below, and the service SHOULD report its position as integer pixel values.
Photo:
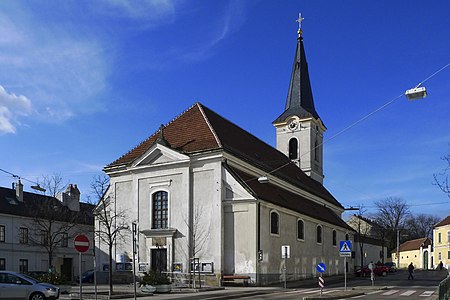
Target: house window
(64, 239)
(160, 210)
(346, 236)
(440, 256)
(23, 265)
(293, 148)
(2, 264)
(2, 233)
(274, 223)
(300, 230)
(23, 235)
(319, 234)
(448, 255)
(44, 238)
(334, 238)
(448, 236)
(439, 238)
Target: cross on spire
(299, 21)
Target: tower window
(316, 150)
(293, 148)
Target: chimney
(70, 197)
(19, 191)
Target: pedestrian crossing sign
(345, 248)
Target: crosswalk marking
(375, 292)
(427, 294)
(310, 292)
(408, 293)
(390, 293)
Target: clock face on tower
(292, 125)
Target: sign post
(345, 250)
(372, 275)
(285, 253)
(81, 243)
(321, 268)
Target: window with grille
(64, 239)
(160, 210)
(2, 264)
(23, 235)
(23, 265)
(2, 233)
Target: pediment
(159, 155)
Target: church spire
(299, 100)
(299, 128)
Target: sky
(83, 82)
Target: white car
(15, 285)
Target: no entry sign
(81, 243)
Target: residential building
(441, 245)
(33, 225)
(206, 194)
(418, 251)
(369, 244)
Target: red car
(380, 270)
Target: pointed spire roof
(299, 100)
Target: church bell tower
(299, 128)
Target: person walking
(411, 271)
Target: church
(207, 195)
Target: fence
(444, 289)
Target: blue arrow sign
(321, 267)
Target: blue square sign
(345, 248)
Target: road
(394, 286)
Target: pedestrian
(411, 270)
(441, 265)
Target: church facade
(202, 187)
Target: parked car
(392, 266)
(87, 277)
(380, 270)
(14, 285)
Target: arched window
(334, 238)
(274, 223)
(346, 236)
(293, 148)
(319, 234)
(300, 230)
(159, 210)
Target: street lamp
(419, 92)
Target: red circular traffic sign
(81, 243)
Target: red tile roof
(200, 129)
(415, 244)
(444, 222)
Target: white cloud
(56, 66)
(11, 107)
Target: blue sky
(83, 82)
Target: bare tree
(363, 229)
(441, 179)
(198, 235)
(112, 223)
(53, 184)
(421, 225)
(391, 216)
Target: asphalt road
(394, 286)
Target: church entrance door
(159, 260)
